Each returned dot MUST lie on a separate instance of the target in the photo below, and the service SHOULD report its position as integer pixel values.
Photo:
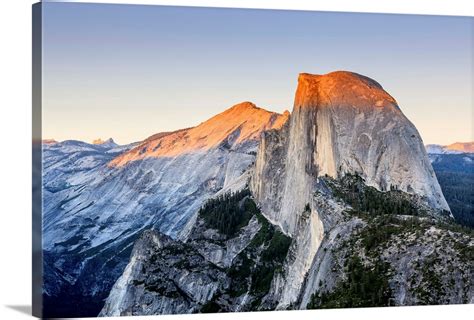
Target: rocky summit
(341, 123)
(236, 128)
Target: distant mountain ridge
(457, 147)
(107, 143)
(241, 123)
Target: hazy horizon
(130, 71)
(105, 138)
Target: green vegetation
(264, 234)
(364, 199)
(431, 288)
(365, 287)
(366, 273)
(230, 212)
(271, 261)
(275, 246)
(366, 281)
(256, 266)
(253, 269)
(381, 229)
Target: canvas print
(194, 160)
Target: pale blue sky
(129, 71)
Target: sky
(130, 71)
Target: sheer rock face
(341, 123)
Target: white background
(15, 159)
